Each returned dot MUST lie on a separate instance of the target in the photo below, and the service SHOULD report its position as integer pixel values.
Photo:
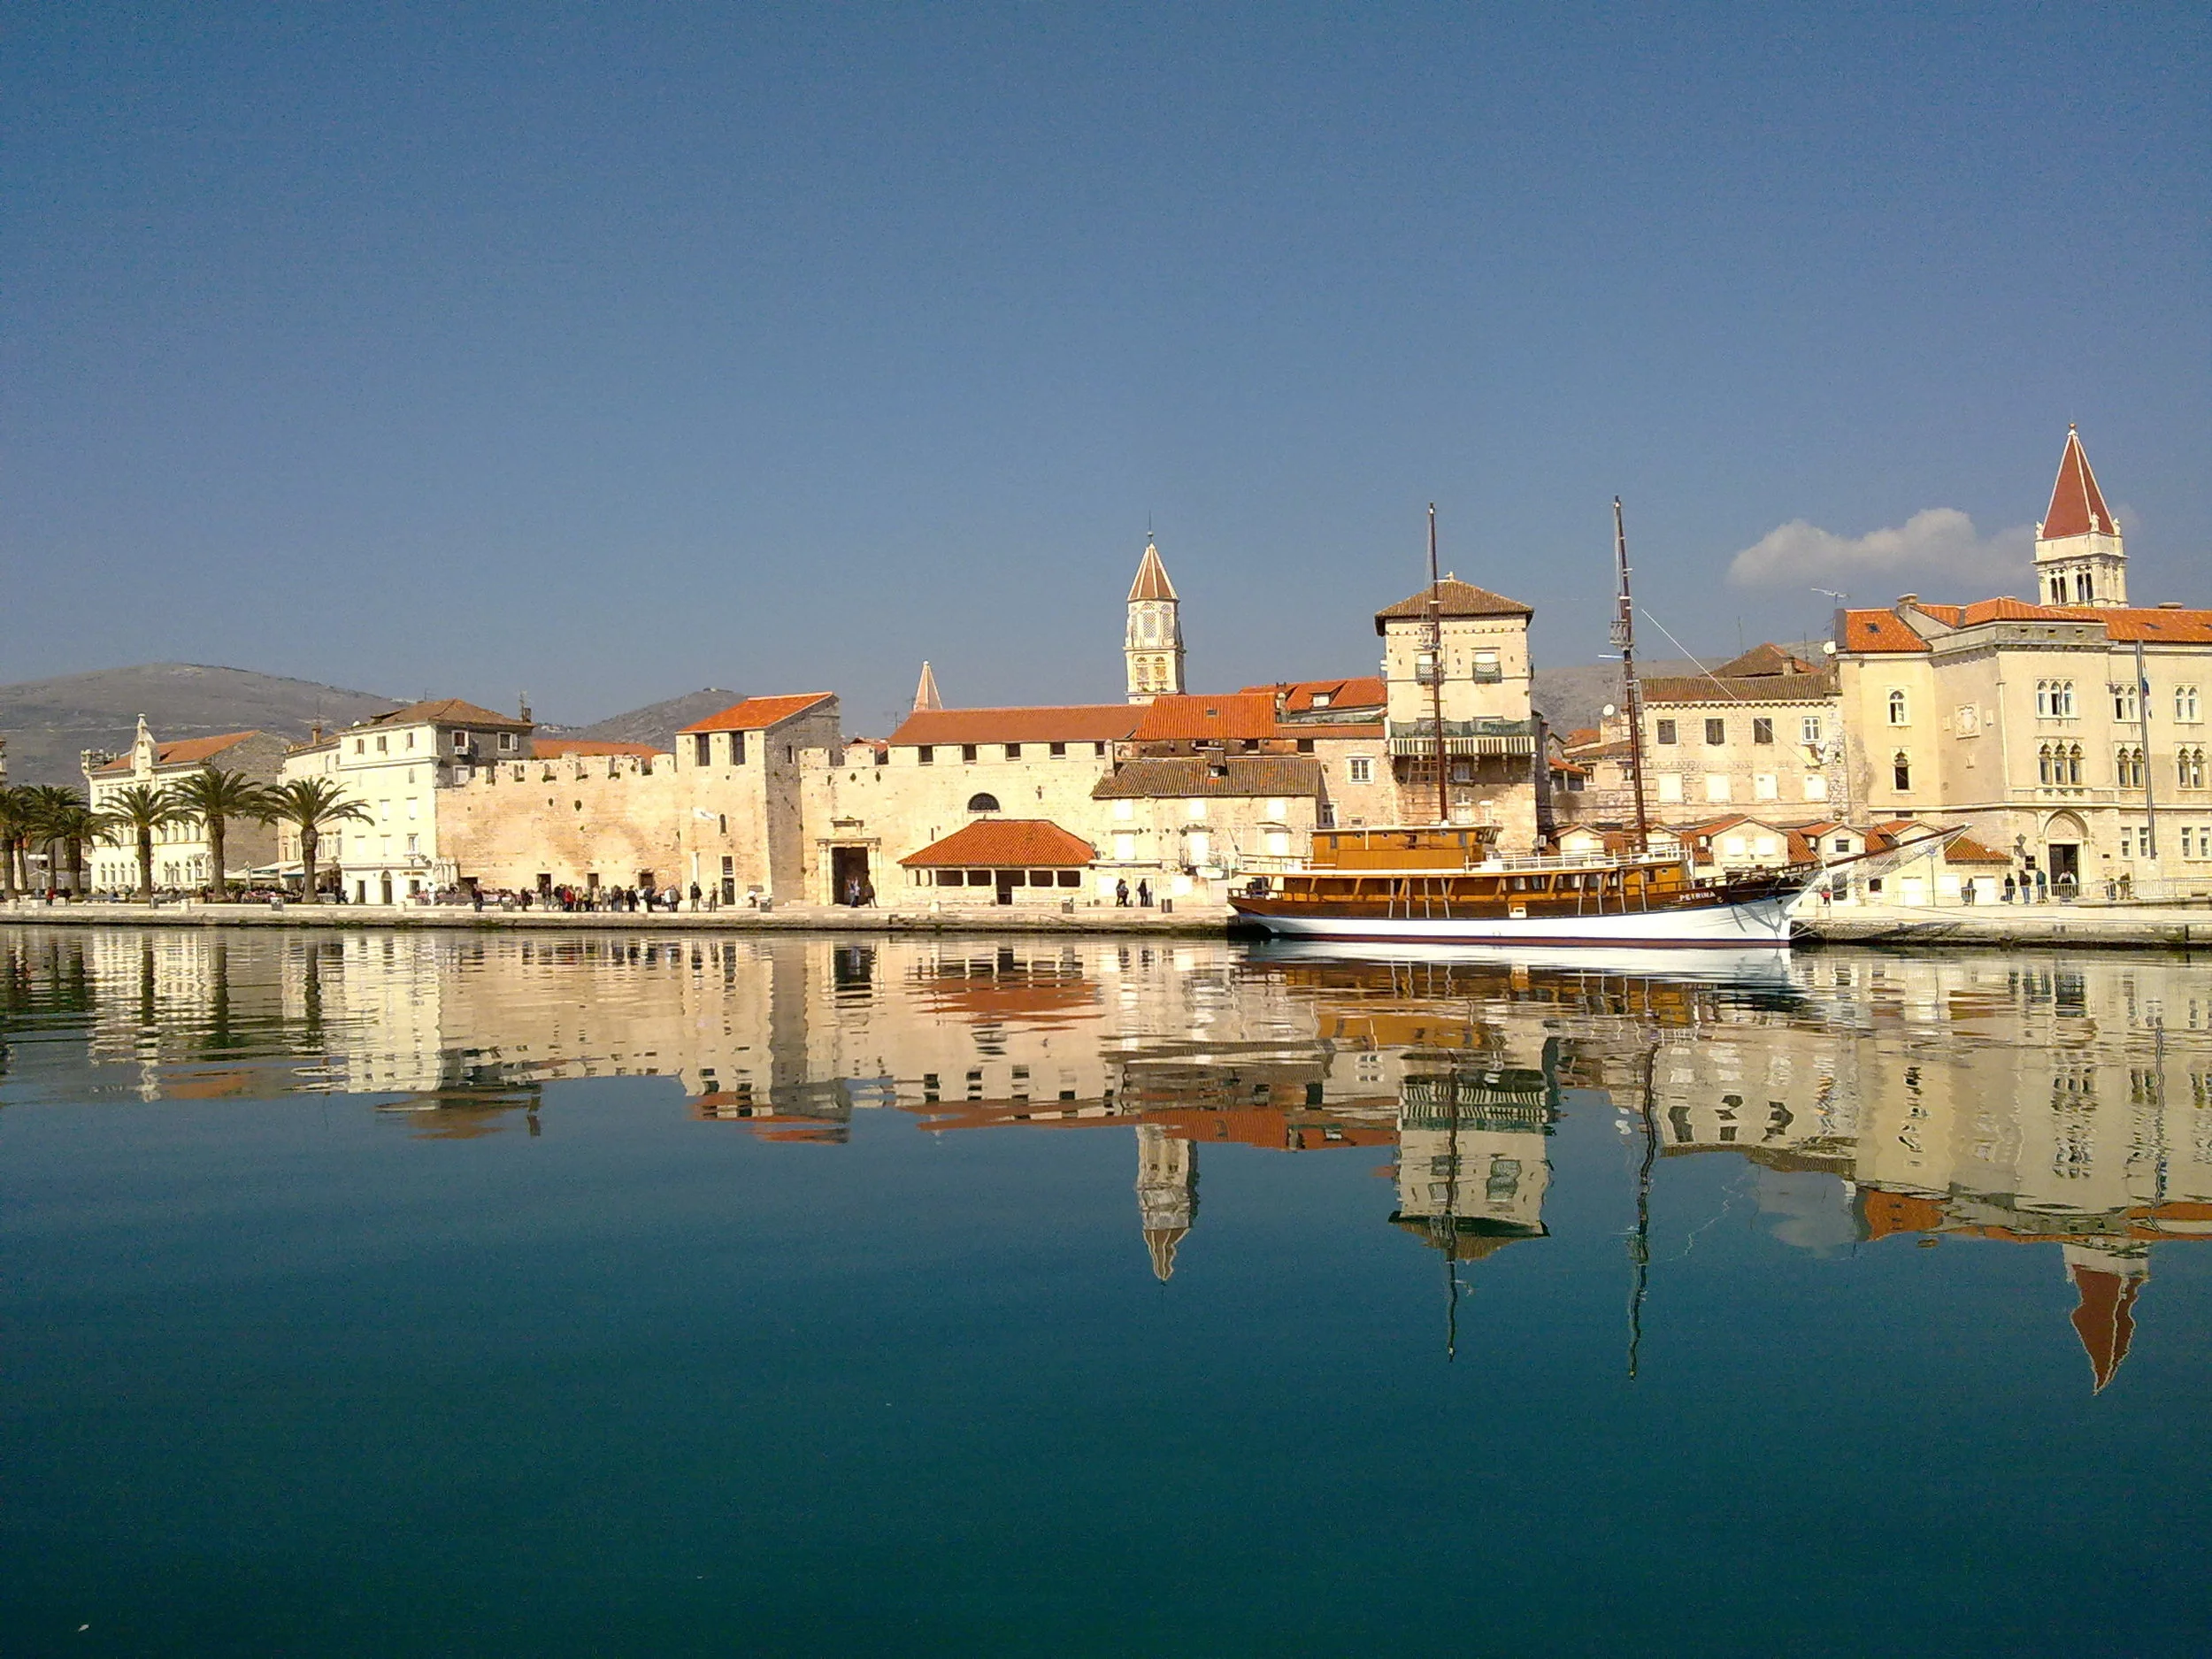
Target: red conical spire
(2076, 504)
(2104, 1318)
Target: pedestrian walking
(1121, 894)
(1144, 894)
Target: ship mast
(1632, 693)
(1436, 674)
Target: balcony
(1463, 737)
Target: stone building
(183, 855)
(1761, 732)
(2072, 736)
(400, 767)
(1478, 689)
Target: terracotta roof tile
(1876, 631)
(2076, 504)
(1764, 659)
(1814, 687)
(446, 711)
(1076, 723)
(1238, 715)
(1454, 598)
(1363, 692)
(757, 714)
(187, 751)
(1005, 843)
(1172, 777)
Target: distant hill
(1575, 693)
(47, 722)
(656, 722)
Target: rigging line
(1686, 651)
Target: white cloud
(1936, 542)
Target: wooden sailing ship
(1446, 883)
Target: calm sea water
(391, 1294)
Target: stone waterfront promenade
(1998, 928)
(1183, 920)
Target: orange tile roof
(560, 747)
(2154, 626)
(757, 714)
(1005, 843)
(2076, 504)
(1763, 659)
(1454, 598)
(1365, 691)
(1076, 723)
(1229, 718)
(2104, 1318)
(1878, 631)
(188, 751)
(445, 711)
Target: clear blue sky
(607, 354)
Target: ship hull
(1760, 922)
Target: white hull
(1765, 965)
(1760, 922)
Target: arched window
(2189, 768)
(2058, 590)
(2185, 703)
(2046, 772)
(2083, 591)
(2064, 692)
(2128, 769)
(1897, 708)
(982, 804)
(2073, 763)
(1900, 772)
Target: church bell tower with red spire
(2079, 556)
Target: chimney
(1906, 602)
(314, 732)
(2172, 604)
(524, 706)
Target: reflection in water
(1984, 1098)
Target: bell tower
(2080, 559)
(1154, 648)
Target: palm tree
(47, 805)
(15, 816)
(140, 810)
(214, 797)
(306, 804)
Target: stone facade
(182, 854)
(1763, 733)
(1477, 679)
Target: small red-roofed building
(1002, 861)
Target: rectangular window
(1901, 774)
(967, 751)
(414, 844)
(1125, 848)
(1425, 668)
(414, 806)
(1670, 785)
(1715, 786)
(1194, 809)
(1360, 768)
(1486, 670)
(1013, 751)
(383, 745)
(925, 756)
(360, 746)
(460, 742)
(1761, 731)
(1058, 751)
(702, 749)
(1816, 786)
(507, 742)
(1715, 733)
(1099, 749)
(1125, 808)
(1666, 730)
(1808, 729)
(411, 740)
(384, 811)
(1766, 786)
(737, 749)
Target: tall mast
(1640, 1241)
(1436, 674)
(1632, 694)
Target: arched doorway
(2064, 836)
